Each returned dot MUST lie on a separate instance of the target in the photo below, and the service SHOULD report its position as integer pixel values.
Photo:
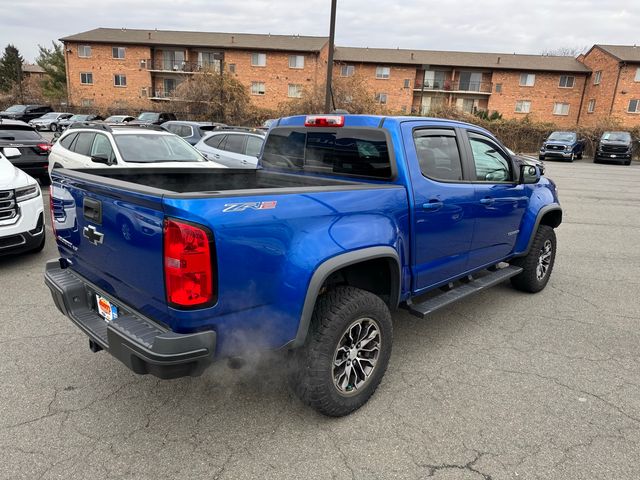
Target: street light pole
(332, 35)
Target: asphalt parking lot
(504, 385)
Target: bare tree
(564, 51)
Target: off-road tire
(528, 280)
(311, 372)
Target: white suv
(21, 209)
(99, 145)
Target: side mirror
(102, 159)
(11, 152)
(529, 174)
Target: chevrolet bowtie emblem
(91, 234)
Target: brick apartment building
(113, 68)
(136, 69)
(614, 86)
(546, 88)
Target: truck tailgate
(113, 238)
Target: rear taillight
(324, 121)
(45, 147)
(188, 267)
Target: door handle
(432, 205)
(487, 201)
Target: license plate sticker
(106, 309)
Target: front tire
(538, 264)
(580, 156)
(53, 127)
(346, 352)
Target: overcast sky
(468, 25)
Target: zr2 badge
(241, 207)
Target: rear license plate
(106, 309)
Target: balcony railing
(454, 86)
(162, 65)
(160, 93)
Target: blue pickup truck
(562, 145)
(347, 219)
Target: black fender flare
(543, 211)
(333, 264)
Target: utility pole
(332, 36)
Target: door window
(254, 145)
(215, 141)
(235, 144)
(491, 164)
(102, 147)
(83, 143)
(438, 154)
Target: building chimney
(233, 39)
(498, 60)
(411, 55)
(149, 35)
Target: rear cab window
(361, 152)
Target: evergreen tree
(52, 62)
(10, 68)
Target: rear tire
(538, 264)
(346, 352)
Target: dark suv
(614, 147)
(25, 113)
(34, 149)
(153, 118)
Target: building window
(232, 68)
(84, 51)
(591, 106)
(86, 102)
(258, 59)
(567, 81)
(257, 88)
(527, 79)
(523, 106)
(498, 88)
(634, 106)
(86, 78)
(383, 72)
(295, 90)
(407, 83)
(597, 77)
(381, 98)
(561, 109)
(637, 77)
(117, 52)
(120, 80)
(296, 61)
(347, 70)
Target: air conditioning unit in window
(158, 93)
(144, 92)
(143, 64)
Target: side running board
(469, 287)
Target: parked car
(21, 208)
(233, 148)
(192, 132)
(614, 147)
(564, 145)
(118, 119)
(153, 118)
(64, 124)
(25, 113)
(33, 148)
(49, 121)
(348, 218)
(99, 145)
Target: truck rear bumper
(141, 344)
